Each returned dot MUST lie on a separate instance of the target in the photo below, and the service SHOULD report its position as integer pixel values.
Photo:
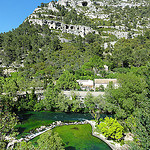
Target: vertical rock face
(84, 3)
(63, 2)
(51, 7)
(79, 5)
(73, 29)
(89, 8)
(74, 3)
(59, 25)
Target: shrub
(111, 128)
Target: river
(31, 120)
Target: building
(105, 82)
(86, 84)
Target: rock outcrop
(73, 29)
(90, 8)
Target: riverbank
(42, 129)
(112, 144)
(39, 131)
(31, 120)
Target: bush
(111, 128)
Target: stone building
(86, 84)
(105, 82)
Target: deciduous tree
(50, 141)
(111, 128)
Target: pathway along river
(31, 120)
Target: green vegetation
(67, 81)
(8, 122)
(39, 61)
(31, 120)
(46, 141)
(50, 141)
(131, 52)
(24, 145)
(111, 128)
(130, 102)
(79, 137)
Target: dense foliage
(131, 101)
(111, 128)
(46, 141)
(39, 60)
(8, 122)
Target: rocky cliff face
(67, 28)
(100, 12)
(59, 25)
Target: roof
(85, 82)
(105, 81)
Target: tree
(50, 141)
(63, 103)
(131, 103)
(75, 102)
(139, 126)
(25, 146)
(111, 128)
(55, 43)
(8, 122)
(32, 99)
(129, 96)
(140, 57)
(67, 81)
(51, 95)
(95, 63)
(2, 81)
(10, 86)
(91, 103)
(66, 104)
(90, 38)
(122, 54)
(1, 39)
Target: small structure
(105, 82)
(86, 84)
(81, 94)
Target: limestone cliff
(96, 10)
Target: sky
(14, 12)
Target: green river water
(75, 137)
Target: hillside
(68, 40)
(77, 24)
(115, 17)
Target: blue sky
(14, 12)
